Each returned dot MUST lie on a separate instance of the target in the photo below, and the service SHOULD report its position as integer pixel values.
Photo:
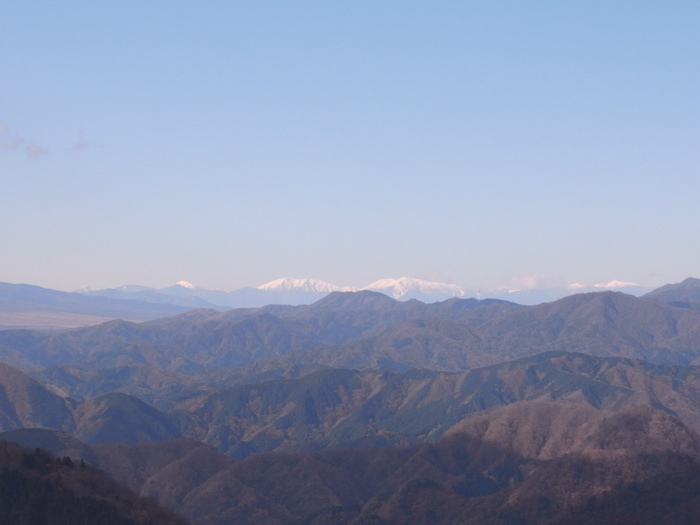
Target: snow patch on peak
(185, 284)
(614, 284)
(397, 288)
(302, 285)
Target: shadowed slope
(500, 467)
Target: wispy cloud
(79, 146)
(36, 151)
(9, 141)
(12, 142)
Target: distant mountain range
(361, 408)
(28, 306)
(369, 329)
(307, 291)
(279, 291)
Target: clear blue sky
(230, 143)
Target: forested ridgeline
(38, 488)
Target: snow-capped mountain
(408, 288)
(303, 285)
(290, 291)
(615, 285)
(402, 288)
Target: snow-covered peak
(127, 288)
(397, 288)
(302, 285)
(186, 284)
(614, 284)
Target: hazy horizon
(487, 145)
(399, 283)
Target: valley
(358, 408)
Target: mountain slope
(23, 305)
(371, 408)
(552, 438)
(366, 330)
(497, 478)
(120, 418)
(37, 488)
(351, 409)
(687, 291)
(209, 339)
(606, 323)
(26, 403)
(603, 323)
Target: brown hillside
(477, 474)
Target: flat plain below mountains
(379, 411)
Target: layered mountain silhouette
(346, 408)
(457, 479)
(530, 462)
(359, 408)
(28, 306)
(306, 291)
(281, 291)
(208, 339)
(367, 330)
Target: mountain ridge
(487, 471)
(297, 291)
(33, 307)
(29, 306)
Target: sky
(483, 143)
